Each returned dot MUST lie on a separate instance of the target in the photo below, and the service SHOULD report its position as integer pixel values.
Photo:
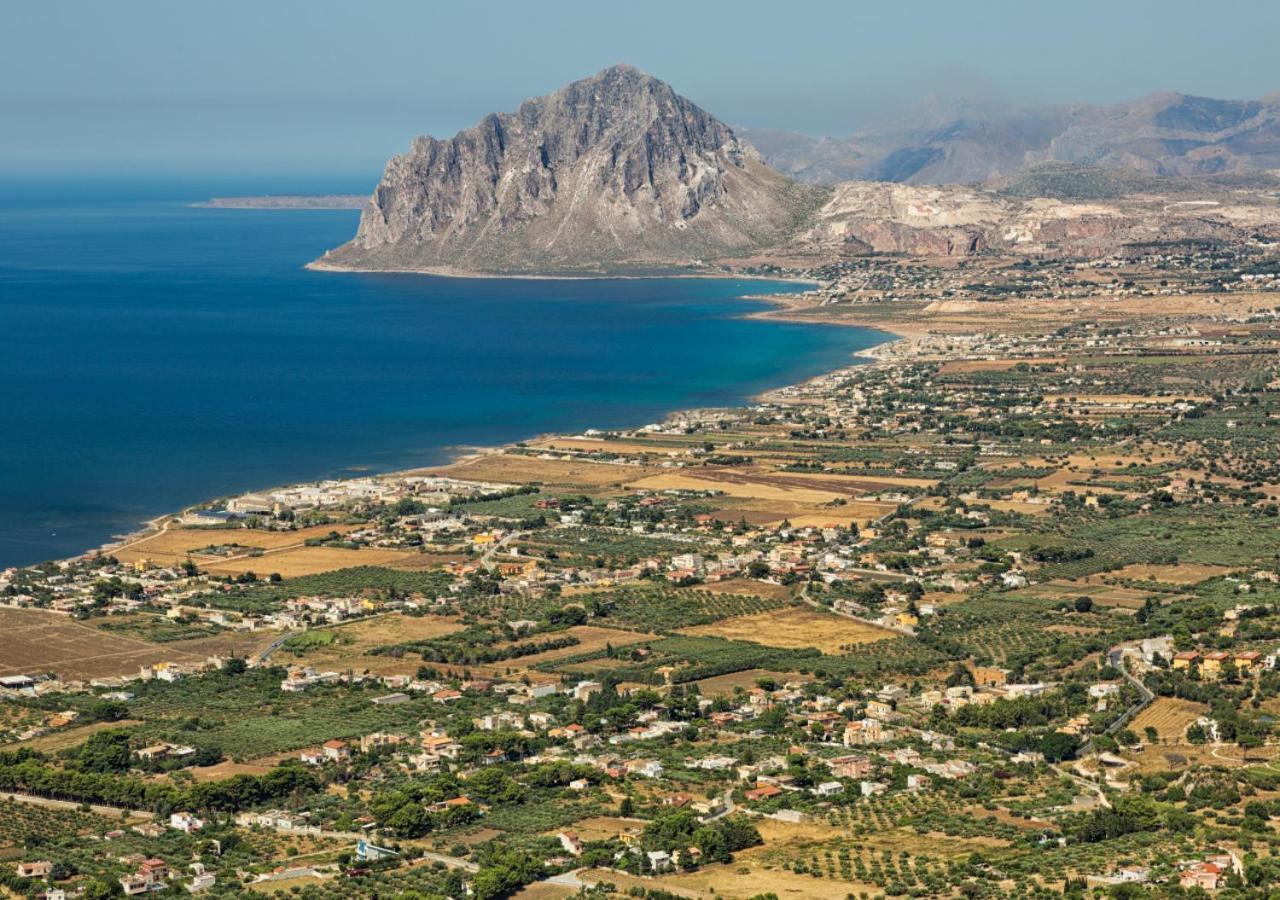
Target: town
(992, 612)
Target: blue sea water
(153, 355)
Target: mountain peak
(613, 170)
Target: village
(994, 612)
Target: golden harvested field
(794, 628)
(589, 445)
(754, 490)
(36, 640)
(746, 588)
(1169, 716)
(174, 544)
(601, 828)
(725, 684)
(995, 365)
(66, 738)
(760, 870)
(1101, 593)
(1175, 757)
(553, 473)
(296, 561)
(356, 639)
(1182, 573)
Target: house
(919, 782)
(380, 739)
(659, 860)
(440, 745)
(1186, 659)
(855, 766)
(1204, 875)
(1247, 662)
(135, 884)
(185, 822)
(312, 757)
(336, 751)
(828, 788)
(762, 792)
(571, 843)
(1211, 663)
(878, 709)
(367, 852)
(202, 882)
(584, 689)
(989, 676)
(40, 869)
(645, 768)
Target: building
(854, 766)
(571, 843)
(336, 751)
(40, 869)
(185, 822)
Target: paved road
(1116, 657)
(487, 559)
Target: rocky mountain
(614, 172)
(1163, 134)
(618, 173)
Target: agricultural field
(795, 627)
(174, 544)
(1169, 716)
(296, 562)
(36, 641)
(662, 608)
(349, 646)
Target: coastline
(449, 272)
(785, 309)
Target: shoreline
(784, 309)
(318, 265)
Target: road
(1116, 657)
(50, 803)
(487, 559)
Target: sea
(154, 354)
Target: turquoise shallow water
(154, 355)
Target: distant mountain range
(1163, 134)
(618, 173)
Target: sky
(336, 86)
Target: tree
(100, 889)
(1084, 604)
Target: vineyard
(663, 609)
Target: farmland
(795, 627)
(997, 614)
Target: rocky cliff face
(612, 172)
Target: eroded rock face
(612, 171)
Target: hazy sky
(272, 86)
